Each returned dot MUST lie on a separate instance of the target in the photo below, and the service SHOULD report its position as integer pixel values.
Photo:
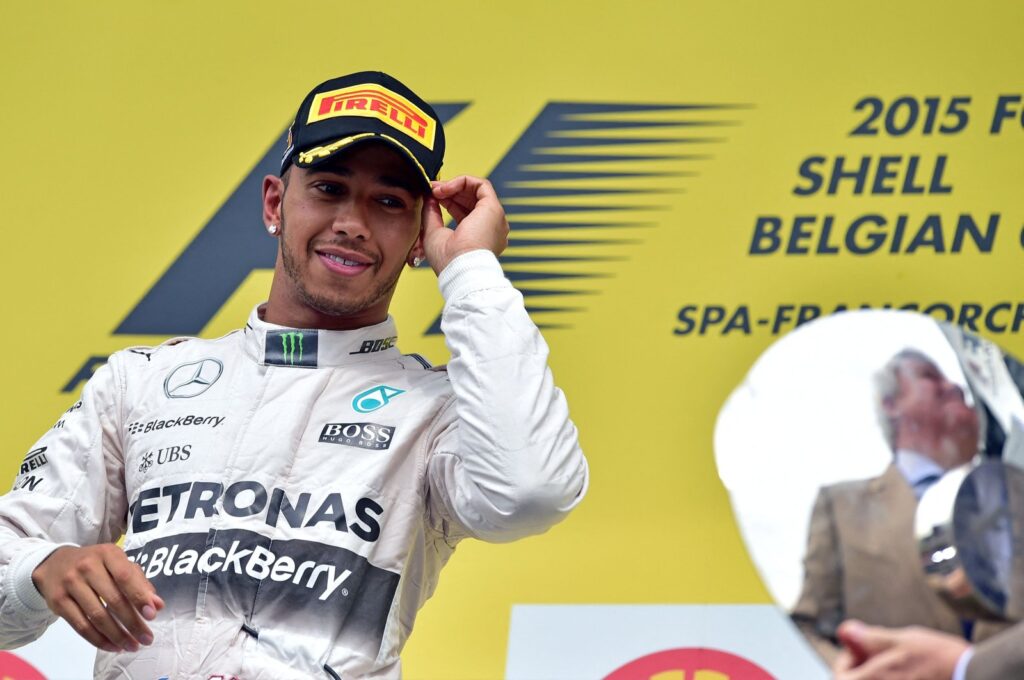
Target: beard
(338, 303)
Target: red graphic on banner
(13, 667)
(690, 663)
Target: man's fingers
(133, 583)
(450, 187)
(68, 610)
(865, 641)
(465, 192)
(103, 595)
(454, 209)
(848, 635)
(124, 607)
(885, 666)
(98, 616)
(460, 200)
(482, 224)
(432, 217)
(843, 662)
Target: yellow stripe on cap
(317, 153)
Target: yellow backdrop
(129, 125)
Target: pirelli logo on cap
(374, 101)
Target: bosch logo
(379, 345)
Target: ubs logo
(168, 454)
(192, 379)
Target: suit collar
(273, 345)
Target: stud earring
(273, 229)
(416, 261)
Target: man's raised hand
(104, 596)
(480, 220)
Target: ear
(417, 250)
(273, 195)
(889, 406)
(417, 253)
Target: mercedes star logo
(192, 379)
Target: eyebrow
(399, 183)
(386, 180)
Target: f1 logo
(579, 186)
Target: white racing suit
(293, 494)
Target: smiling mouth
(346, 266)
(344, 261)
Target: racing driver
(288, 493)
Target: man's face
(347, 229)
(930, 408)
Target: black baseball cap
(360, 107)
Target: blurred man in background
(862, 560)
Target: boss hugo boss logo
(374, 398)
(378, 345)
(192, 379)
(167, 454)
(363, 435)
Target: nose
(351, 221)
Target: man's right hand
(104, 596)
(912, 653)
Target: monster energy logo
(289, 341)
(291, 348)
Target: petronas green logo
(290, 344)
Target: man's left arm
(509, 463)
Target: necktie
(925, 483)
(920, 486)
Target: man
(289, 492)
(861, 560)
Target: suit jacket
(862, 562)
(1000, 657)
